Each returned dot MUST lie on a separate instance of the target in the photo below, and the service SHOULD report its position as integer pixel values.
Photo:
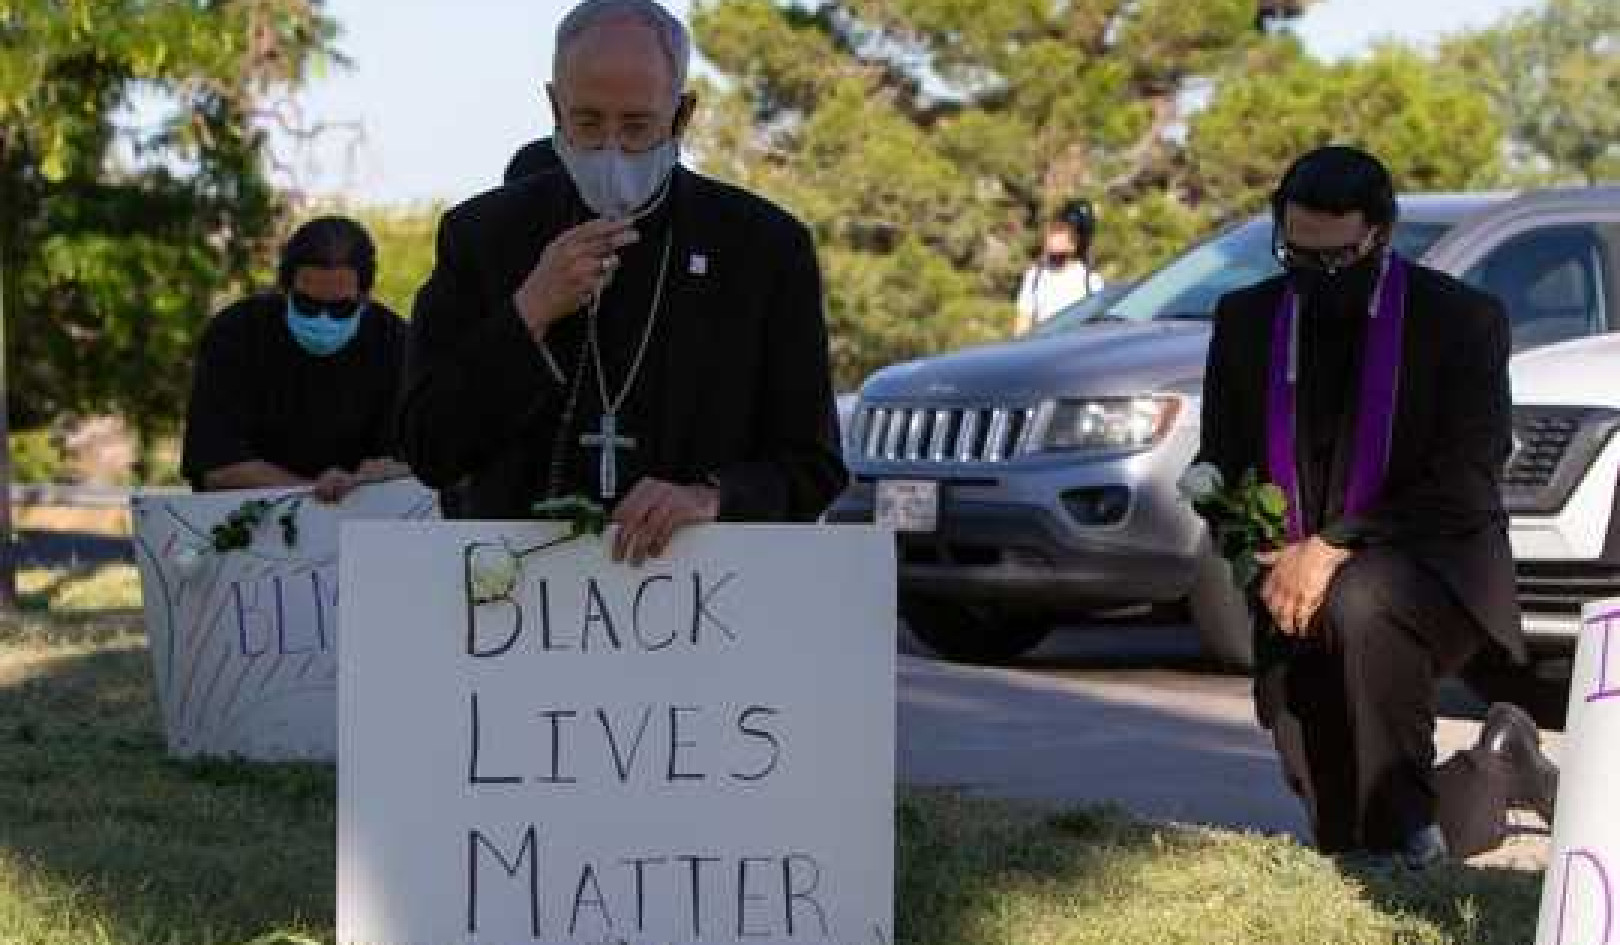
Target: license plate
(908, 505)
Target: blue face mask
(320, 334)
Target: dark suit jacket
(1452, 436)
(748, 400)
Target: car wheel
(1221, 614)
(972, 633)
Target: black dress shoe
(1511, 734)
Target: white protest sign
(1580, 898)
(700, 750)
(243, 641)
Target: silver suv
(1033, 482)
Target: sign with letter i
(1580, 897)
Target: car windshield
(1191, 284)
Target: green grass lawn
(104, 589)
(103, 841)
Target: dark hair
(1080, 216)
(1339, 180)
(328, 242)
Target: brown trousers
(1352, 713)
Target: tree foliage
(117, 238)
(1433, 131)
(1553, 74)
(925, 140)
(405, 248)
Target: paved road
(41, 549)
(1124, 715)
(1121, 714)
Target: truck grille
(1552, 449)
(914, 434)
(1540, 440)
(1563, 588)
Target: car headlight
(1108, 423)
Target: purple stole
(1375, 407)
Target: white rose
(1201, 482)
(494, 572)
(187, 561)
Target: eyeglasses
(629, 140)
(340, 309)
(633, 133)
(1328, 259)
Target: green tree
(1433, 130)
(115, 244)
(1553, 73)
(924, 141)
(405, 249)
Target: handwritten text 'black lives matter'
(694, 745)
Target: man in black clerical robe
(1399, 570)
(621, 328)
(297, 388)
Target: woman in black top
(298, 387)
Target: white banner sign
(243, 641)
(541, 746)
(1580, 899)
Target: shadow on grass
(105, 839)
(1486, 905)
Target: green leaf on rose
(584, 516)
(1272, 500)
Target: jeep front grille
(915, 434)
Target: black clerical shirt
(622, 323)
(1333, 331)
(256, 395)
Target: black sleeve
(220, 411)
(797, 469)
(1457, 492)
(1217, 428)
(392, 382)
(473, 374)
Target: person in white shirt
(1062, 275)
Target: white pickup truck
(1562, 489)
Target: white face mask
(616, 184)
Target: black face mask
(1352, 282)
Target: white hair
(673, 38)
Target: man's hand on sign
(1298, 583)
(653, 511)
(570, 271)
(334, 485)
